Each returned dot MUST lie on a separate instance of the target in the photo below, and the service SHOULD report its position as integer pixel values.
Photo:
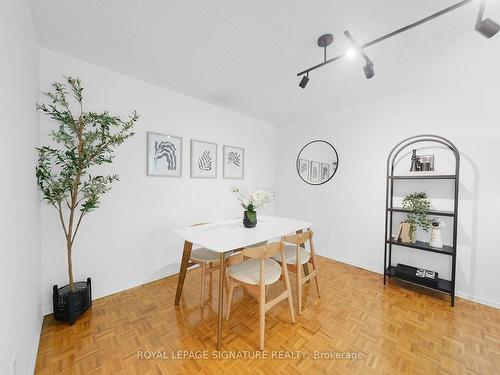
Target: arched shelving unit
(445, 286)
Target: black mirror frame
(302, 149)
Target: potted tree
(417, 207)
(84, 140)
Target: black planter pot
(246, 221)
(70, 305)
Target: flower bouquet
(250, 202)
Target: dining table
(228, 236)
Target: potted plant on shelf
(250, 202)
(84, 140)
(417, 207)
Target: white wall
(20, 313)
(349, 210)
(128, 240)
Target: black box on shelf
(418, 275)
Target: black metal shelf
(426, 177)
(431, 212)
(421, 245)
(442, 285)
(447, 286)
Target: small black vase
(247, 222)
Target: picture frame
(325, 172)
(233, 159)
(315, 173)
(304, 168)
(426, 162)
(164, 155)
(203, 159)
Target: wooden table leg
(186, 254)
(221, 299)
(304, 266)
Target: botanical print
(233, 161)
(303, 166)
(325, 171)
(315, 172)
(203, 159)
(234, 158)
(167, 150)
(164, 155)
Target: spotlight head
(304, 81)
(487, 28)
(369, 71)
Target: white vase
(436, 241)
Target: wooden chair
(208, 261)
(255, 274)
(296, 256)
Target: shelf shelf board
(421, 245)
(431, 212)
(425, 177)
(442, 285)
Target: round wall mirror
(317, 162)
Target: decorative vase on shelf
(250, 219)
(436, 240)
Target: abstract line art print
(234, 162)
(164, 155)
(203, 159)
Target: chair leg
(230, 297)
(313, 259)
(262, 315)
(284, 273)
(203, 277)
(299, 289)
(210, 276)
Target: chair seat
(204, 255)
(291, 255)
(248, 272)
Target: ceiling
(244, 55)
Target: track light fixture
(304, 81)
(323, 41)
(486, 27)
(369, 71)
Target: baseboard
(482, 301)
(37, 343)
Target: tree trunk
(70, 265)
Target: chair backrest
(300, 239)
(265, 251)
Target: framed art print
(325, 172)
(203, 159)
(234, 162)
(303, 167)
(164, 155)
(314, 175)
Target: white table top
(231, 234)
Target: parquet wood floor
(399, 330)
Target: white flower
(256, 199)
